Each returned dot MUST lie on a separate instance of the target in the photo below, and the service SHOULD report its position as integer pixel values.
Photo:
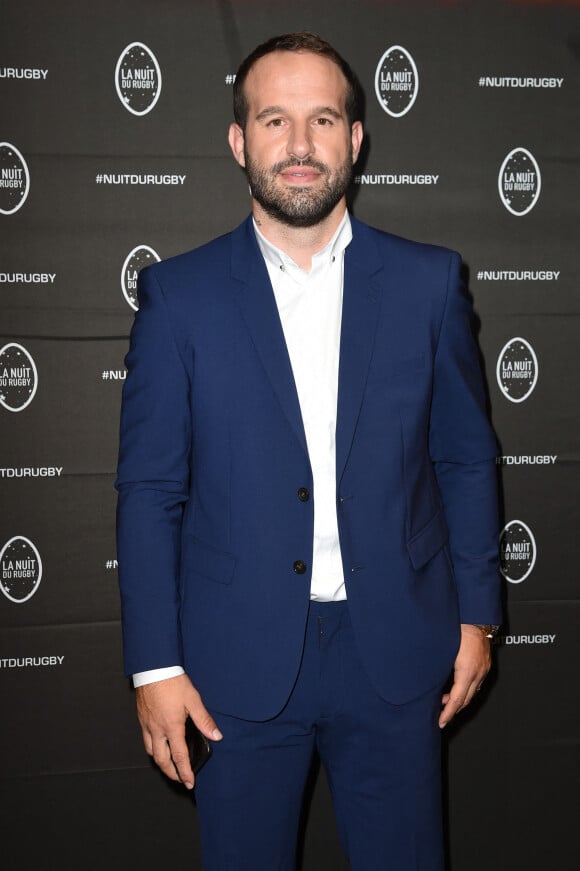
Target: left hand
(472, 664)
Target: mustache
(307, 161)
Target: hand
(162, 708)
(472, 664)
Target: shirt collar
(332, 250)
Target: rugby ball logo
(138, 79)
(18, 377)
(519, 182)
(517, 369)
(517, 552)
(396, 81)
(14, 179)
(20, 569)
(139, 257)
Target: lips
(300, 174)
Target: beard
(298, 206)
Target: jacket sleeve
(153, 484)
(463, 449)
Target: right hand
(162, 708)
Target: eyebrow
(279, 110)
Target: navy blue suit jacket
(213, 453)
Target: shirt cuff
(144, 677)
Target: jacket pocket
(203, 559)
(428, 541)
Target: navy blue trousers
(382, 763)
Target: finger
(474, 688)
(180, 760)
(453, 701)
(203, 719)
(459, 698)
(450, 708)
(162, 756)
(147, 740)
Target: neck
(299, 243)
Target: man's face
(298, 147)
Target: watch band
(489, 630)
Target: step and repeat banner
(113, 155)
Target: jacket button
(303, 494)
(299, 567)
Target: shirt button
(299, 567)
(303, 494)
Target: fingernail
(217, 735)
(188, 785)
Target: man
(307, 506)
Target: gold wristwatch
(489, 630)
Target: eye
(275, 122)
(323, 122)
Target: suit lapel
(260, 313)
(360, 310)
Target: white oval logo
(396, 81)
(517, 369)
(14, 179)
(519, 182)
(138, 79)
(18, 377)
(20, 569)
(517, 547)
(139, 257)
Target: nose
(299, 142)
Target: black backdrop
(113, 154)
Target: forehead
(295, 77)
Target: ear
(236, 141)
(357, 135)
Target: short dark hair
(305, 42)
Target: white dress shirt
(310, 309)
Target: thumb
(203, 719)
